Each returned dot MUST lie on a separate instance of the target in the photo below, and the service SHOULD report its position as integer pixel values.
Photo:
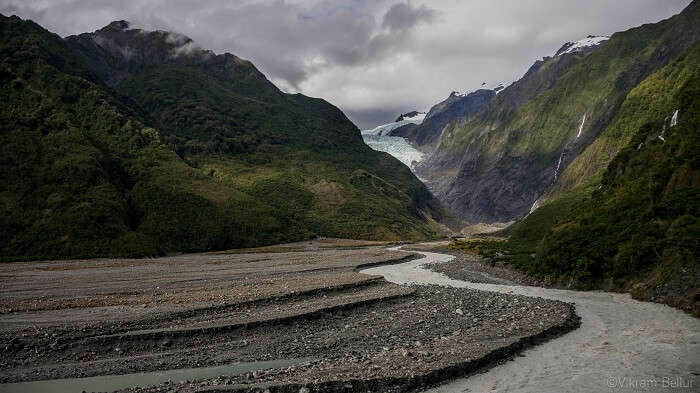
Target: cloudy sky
(372, 58)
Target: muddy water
(108, 383)
(623, 345)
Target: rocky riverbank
(470, 267)
(358, 331)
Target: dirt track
(64, 319)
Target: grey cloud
(403, 16)
(372, 58)
(368, 119)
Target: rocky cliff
(455, 107)
(494, 166)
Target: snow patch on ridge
(417, 117)
(496, 87)
(582, 44)
(384, 129)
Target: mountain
(595, 153)
(410, 118)
(581, 46)
(415, 116)
(522, 146)
(379, 139)
(637, 228)
(125, 142)
(456, 106)
(490, 196)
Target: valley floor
(303, 306)
(323, 319)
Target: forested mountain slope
(638, 229)
(524, 146)
(125, 142)
(619, 210)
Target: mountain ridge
(527, 137)
(597, 163)
(136, 152)
(454, 107)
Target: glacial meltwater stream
(109, 383)
(623, 345)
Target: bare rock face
(494, 164)
(407, 116)
(479, 186)
(456, 106)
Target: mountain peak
(583, 45)
(117, 25)
(124, 30)
(485, 87)
(411, 116)
(119, 50)
(123, 34)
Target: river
(623, 345)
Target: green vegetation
(532, 143)
(638, 229)
(642, 223)
(623, 212)
(179, 155)
(646, 103)
(523, 236)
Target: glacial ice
(394, 145)
(384, 129)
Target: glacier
(396, 146)
(384, 129)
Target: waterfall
(556, 171)
(674, 118)
(580, 127)
(568, 146)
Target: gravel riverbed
(358, 331)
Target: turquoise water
(108, 383)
